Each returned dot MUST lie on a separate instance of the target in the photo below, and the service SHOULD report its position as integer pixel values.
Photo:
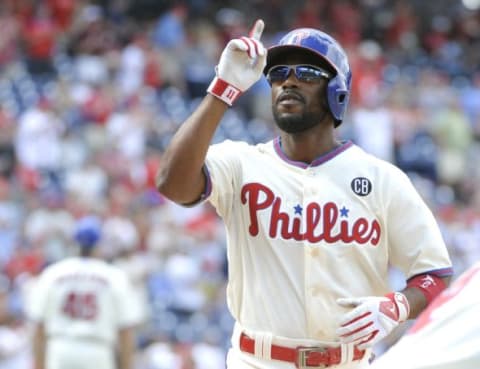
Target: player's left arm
(372, 318)
(38, 345)
(416, 247)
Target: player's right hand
(241, 65)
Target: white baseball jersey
(300, 236)
(446, 335)
(84, 298)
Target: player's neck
(308, 146)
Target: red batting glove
(372, 319)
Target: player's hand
(372, 318)
(241, 65)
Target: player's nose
(291, 78)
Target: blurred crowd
(91, 91)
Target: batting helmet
(319, 44)
(87, 231)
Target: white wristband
(224, 91)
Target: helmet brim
(276, 54)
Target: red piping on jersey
(277, 144)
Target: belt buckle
(302, 357)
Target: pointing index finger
(257, 29)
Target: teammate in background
(312, 222)
(446, 335)
(84, 310)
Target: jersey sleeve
(37, 296)
(415, 242)
(128, 305)
(223, 166)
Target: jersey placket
(310, 251)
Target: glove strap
(224, 91)
(401, 303)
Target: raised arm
(241, 64)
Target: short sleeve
(416, 243)
(36, 297)
(128, 305)
(224, 169)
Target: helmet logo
(299, 36)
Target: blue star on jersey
(298, 209)
(344, 212)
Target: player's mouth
(290, 98)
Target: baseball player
(312, 222)
(83, 309)
(446, 335)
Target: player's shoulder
(76, 264)
(360, 158)
(102, 266)
(240, 146)
(59, 266)
(57, 269)
(239, 150)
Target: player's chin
(290, 123)
(288, 112)
(293, 117)
(295, 122)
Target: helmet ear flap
(338, 95)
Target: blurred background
(91, 92)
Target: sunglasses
(303, 72)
